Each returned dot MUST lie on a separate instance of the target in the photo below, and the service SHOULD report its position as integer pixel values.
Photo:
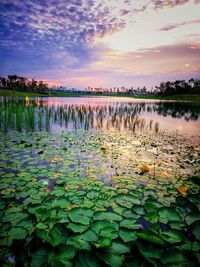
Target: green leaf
(149, 251)
(14, 218)
(196, 229)
(86, 260)
(41, 213)
(127, 235)
(173, 257)
(118, 248)
(148, 236)
(54, 236)
(129, 224)
(62, 203)
(89, 235)
(111, 259)
(38, 258)
(62, 254)
(168, 214)
(176, 225)
(130, 215)
(172, 236)
(17, 233)
(192, 217)
(109, 232)
(127, 201)
(76, 227)
(79, 243)
(81, 215)
(106, 215)
(41, 226)
(99, 225)
(103, 242)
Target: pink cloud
(176, 25)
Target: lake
(95, 181)
(55, 114)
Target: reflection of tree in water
(184, 110)
(33, 115)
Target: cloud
(176, 25)
(72, 23)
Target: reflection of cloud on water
(98, 113)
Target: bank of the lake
(186, 97)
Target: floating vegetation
(97, 198)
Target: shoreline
(183, 98)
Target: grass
(16, 93)
(193, 98)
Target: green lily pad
(105, 215)
(168, 214)
(76, 227)
(127, 235)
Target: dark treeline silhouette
(22, 84)
(178, 87)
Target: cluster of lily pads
(99, 199)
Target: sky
(97, 43)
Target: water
(95, 113)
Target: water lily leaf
(112, 260)
(127, 201)
(130, 224)
(168, 214)
(81, 215)
(41, 213)
(109, 232)
(15, 217)
(176, 225)
(62, 254)
(38, 258)
(41, 226)
(86, 260)
(127, 235)
(76, 227)
(61, 202)
(118, 248)
(149, 251)
(17, 233)
(173, 257)
(196, 229)
(131, 215)
(79, 243)
(103, 242)
(99, 225)
(89, 235)
(192, 217)
(54, 236)
(104, 215)
(172, 236)
(147, 235)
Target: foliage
(98, 211)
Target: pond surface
(96, 181)
(55, 114)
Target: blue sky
(80, 43)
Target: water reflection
(55, 114)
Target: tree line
(22, 84)
(179, 87)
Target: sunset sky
(81, 43)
